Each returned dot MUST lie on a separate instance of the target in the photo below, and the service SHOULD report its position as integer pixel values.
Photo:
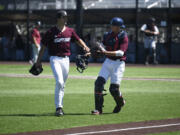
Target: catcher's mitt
(36, 70)
(81, 62)
(97, 50)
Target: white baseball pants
(113, 69)
(35, 52)
(60, 69)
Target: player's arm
(151, 32)
(34, 39)
(143, 29)
(40, 55)
(156, 32)
(35, 42)
(120, 52)
(81, 43)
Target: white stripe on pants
(60, 69)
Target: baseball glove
(36, 70)
(97, 50)
(81, 62)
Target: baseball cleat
(117, 108)
(96, 112)
(59, 112)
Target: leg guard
(114, 90)
(99, 87)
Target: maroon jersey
(58, 42)
(36, 35)
(114, 42)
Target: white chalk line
(125, 129)
(87, 77)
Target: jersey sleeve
(156, 30)
(124, 44)
(75, 36)
(143, 28)
(46, 38)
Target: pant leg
(58, 75)
(35, 52)
(117, 72)
(153, 46)
(105, 70)
(147, 46)
(65, 71)
(65, 68)
(116, 78)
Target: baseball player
(57, 40)
(36, 42)
(116, 44)
(150, 31)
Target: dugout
(92, 17)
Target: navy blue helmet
(117, 21)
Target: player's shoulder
(144, 25)
(106, 34)
(70, 29)
(122, 34)
(156, 27)
(33, 30)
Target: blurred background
(90, 19)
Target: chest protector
(151, 28)
(113, 42)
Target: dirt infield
(134, 128)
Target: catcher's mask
(81, 63)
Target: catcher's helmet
(61, 13)
(151, 20)
(116, 21)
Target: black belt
(113, 58)
(62, 56)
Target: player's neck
(62, 27)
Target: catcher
(116, 44)
(57, 40)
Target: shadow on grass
(48, 114)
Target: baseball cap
(61, 13)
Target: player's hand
(87, 54)
(37, 46)
(87, 49)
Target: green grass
(138, 72)
(170, 133)
(27, 104)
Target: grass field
(27, 104)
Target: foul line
(125, 129)
(87, 77)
